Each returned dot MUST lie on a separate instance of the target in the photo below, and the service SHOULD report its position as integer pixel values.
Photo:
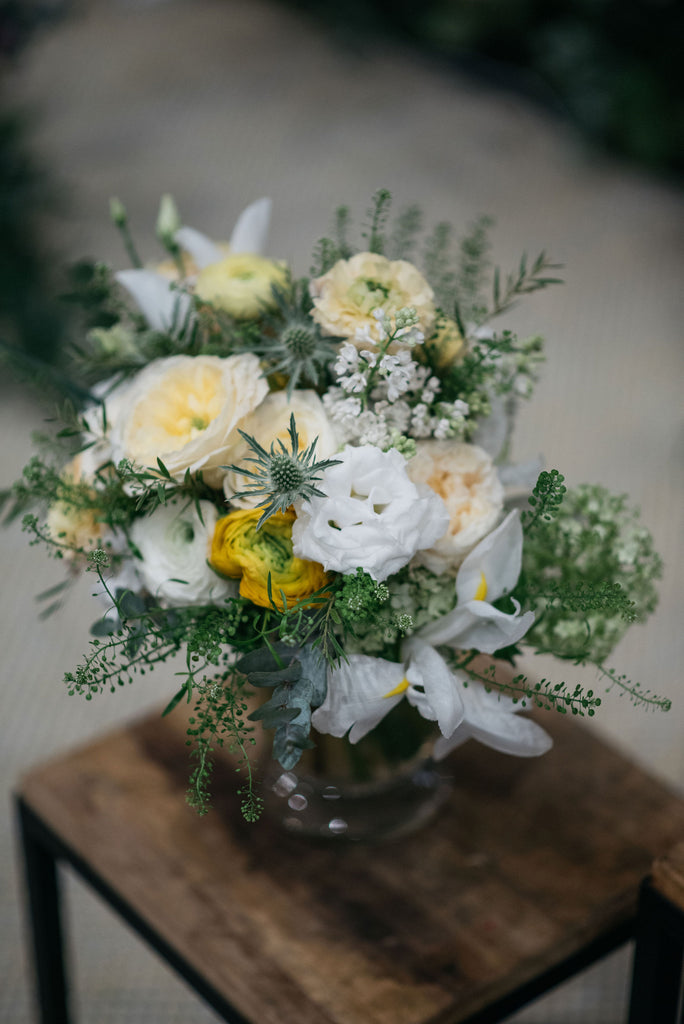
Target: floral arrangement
(303, 484)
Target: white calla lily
(433, 689)
(363, 690)
(489, 571)
(165, 306)
(249, 235)
(203, 250)
(251, 228)
(490, 717)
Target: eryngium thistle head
(299, 340)
(282, 475)
(286, 473)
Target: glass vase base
(393, 807)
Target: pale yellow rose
(241, 284)
(170, 270)
(446, 345)
(464, 476)
(345, 297)
(186, 411)
(269, 423)
(76, 528)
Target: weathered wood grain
(530, 861)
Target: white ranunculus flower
(186, 411)
(464, 476)
(372, 515)
(175, 545)
(269, 422)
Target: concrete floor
(221, 101)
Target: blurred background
(563, 121)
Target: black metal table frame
(43, 850)
(657, 996)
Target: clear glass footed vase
(383, 787)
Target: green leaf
(53, 591)
(175, 700)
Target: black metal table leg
(658, 961)
(43, 894)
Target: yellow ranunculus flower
(241, 551)
(241, 284)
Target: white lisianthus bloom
(186, 411)
(163, 305)
(372, 515)
(465, 477)
(345, 297)
(268, 423)
(175, 545)
(362, 690)
(492, 719)
(490, 571)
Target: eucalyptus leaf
(288, 744)
(289, 674)
(265, 659)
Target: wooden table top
(529, 862)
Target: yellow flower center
(180, 407)
(481, 592)
(401, 687)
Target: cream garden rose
(269, 422)
(76, 529)
(345, 298)
(186, 411)
(464, 476)
(175, 544)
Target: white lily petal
(251, 228)
(444, 745)
(440, 700)
(492, 719)
(498, 557)
(202, 249)
(161, 305)
(511, 735)
(357, 696)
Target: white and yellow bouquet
(304, 484)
